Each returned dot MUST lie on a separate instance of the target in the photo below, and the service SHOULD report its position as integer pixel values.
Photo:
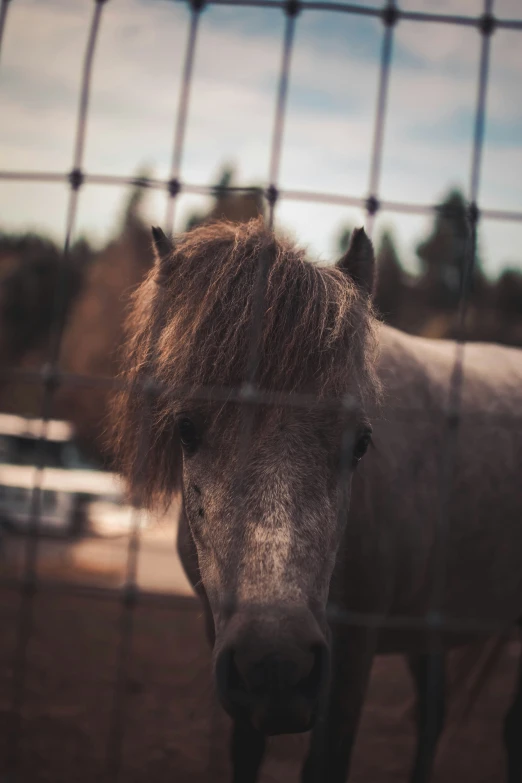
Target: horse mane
(191, 326)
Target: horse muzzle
(272, 671)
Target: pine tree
(238, 207)
(445, 253)
(390, 280)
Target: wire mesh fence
(50, 377)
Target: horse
(347, 490)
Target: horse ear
(359, 261)
(163, 249)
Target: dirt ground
(167, 723)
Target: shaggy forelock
(195, 329)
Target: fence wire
(50, 377)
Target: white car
(65, 488)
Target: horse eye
(188, 435)
(361, 445)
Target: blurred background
(129, 690)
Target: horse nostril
(314, 681)
(230, 684)
(236, 681)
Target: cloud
(329, 123)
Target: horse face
(265, 495)
(266, 498)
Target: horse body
(398, 511)
(399, 492)
(284, 525)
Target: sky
(329, 117)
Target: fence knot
(50, 377)
(390, 16)
(173, 187)
(473, 214)
(292, 7)
(76, 179)
(487, 24)
(272, 195)
(130, 596)
(372, 205)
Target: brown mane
(195, 329)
